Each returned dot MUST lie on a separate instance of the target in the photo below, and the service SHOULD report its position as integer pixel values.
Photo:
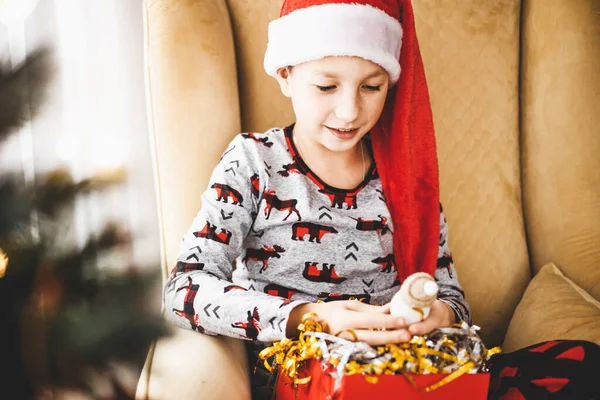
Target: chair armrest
(192, 104)
(190, 365)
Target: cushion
(553, 307)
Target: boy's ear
(283, 76)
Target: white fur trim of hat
(320, 31)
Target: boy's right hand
(341, 316)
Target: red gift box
(321, 386)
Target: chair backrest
(560, 136)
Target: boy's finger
(417, 329)
(363, 307)
(375, 338)
(370, 320)
(385, 309)
(423, 327)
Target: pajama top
(271, 235)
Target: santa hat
(404, 148)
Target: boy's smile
(337, 100)
(343, 134)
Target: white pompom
(430, 288)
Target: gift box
(447, 363)
(355, 387)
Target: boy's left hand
(441, 315)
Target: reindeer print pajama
(271, 235)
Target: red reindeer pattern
(315, 231)
(288, 169)
(188, 311)
(372, 225)
(445, 261)
(387, 262)
(272, 201)
(255, 185)
(209, 231)
(233, 287)
(263, 255)
(185, 267)
(263, 140)
(225, 192)
(285, 303)
(251, 326)
(339, 199)
(279, 291)
(326, 297)
(326, 273)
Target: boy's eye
(326, 88)
(373, 88)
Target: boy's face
(335, 93)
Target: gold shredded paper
(454, 351)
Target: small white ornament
(415, 297)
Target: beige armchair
(515, 91)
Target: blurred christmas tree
(65, 322)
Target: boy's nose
(348, 107)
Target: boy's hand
(440, 316)
(338, 316)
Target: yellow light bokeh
(3, 263)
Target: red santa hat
(404, 147)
